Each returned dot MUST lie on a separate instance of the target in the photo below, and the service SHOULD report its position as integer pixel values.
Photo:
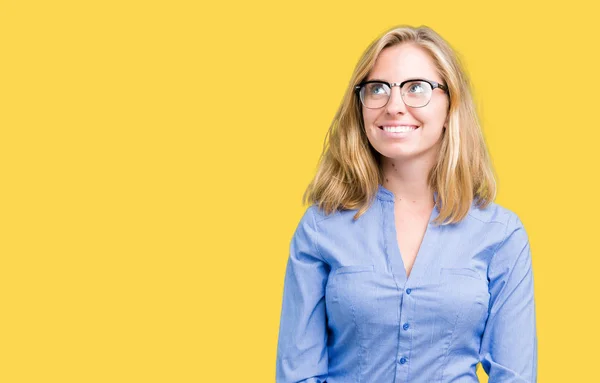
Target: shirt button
(406, 326)
(408, 291)
(402, 360)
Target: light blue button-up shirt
(351, 315)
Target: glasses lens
(374, 94)
(416, 93)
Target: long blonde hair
(349, 171)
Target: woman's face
(396, 64)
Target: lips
(396, 126)
(404, 129)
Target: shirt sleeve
(509, 343)
(302, 343)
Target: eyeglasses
(416, 93)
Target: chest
(410, 230)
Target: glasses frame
(433, 84)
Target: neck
(408, 180)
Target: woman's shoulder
(493, 212)
(496, 214)
(319, 217)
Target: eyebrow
(389, 82)
(375, 79)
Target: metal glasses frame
(433, 84)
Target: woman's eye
(415, 88)
(377, 89)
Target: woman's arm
(302, 343)
(509, 344)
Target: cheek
(368, 116)
(434, 118)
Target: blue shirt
(350, 314)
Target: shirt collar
(384, 194)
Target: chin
(397, 152)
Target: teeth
(398, 129)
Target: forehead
(404, 61)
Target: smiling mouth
(399, 129)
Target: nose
(395, 104)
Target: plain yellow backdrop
(153, 155)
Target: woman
(403, 269)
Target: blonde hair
(349, 171)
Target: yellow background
(153, 155)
